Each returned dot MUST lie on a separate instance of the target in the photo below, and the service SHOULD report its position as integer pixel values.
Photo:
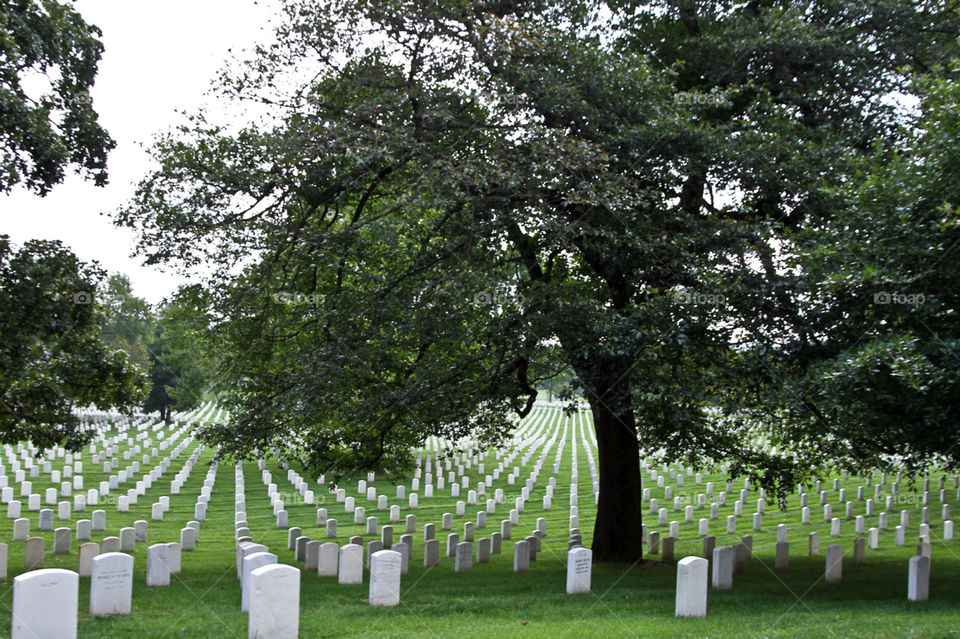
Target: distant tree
(562, 387)
(557, 378)
(129, 320)
(180, 369)
(162, 379)
(52, 359)
(48, 63)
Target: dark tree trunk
(617, 530)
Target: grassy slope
(491, 600)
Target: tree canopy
(464, 186)
(871, 354)
(48, 64)
(53, 360)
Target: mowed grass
(493, 601)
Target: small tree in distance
(180, 370)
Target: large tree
(464, 184)
(48, 64)
(52, 360)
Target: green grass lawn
(491, 600)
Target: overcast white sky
(160, 56)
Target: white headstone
(21, 529)
(431, 552)
(782, 556)
(250, 563)
(85, 555)
(35, 595)
(918, 584)
(579, 566)
(274, 602)
(127, 539)
(463, 556)
(385, 571)
(723, 567)
(111, 584)
(33, 551)
(351, 564)
(834, 570)
(691, 600)
(174, 557)
(521, 556)
(158, 565)
(188, 539)
(328, 559)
